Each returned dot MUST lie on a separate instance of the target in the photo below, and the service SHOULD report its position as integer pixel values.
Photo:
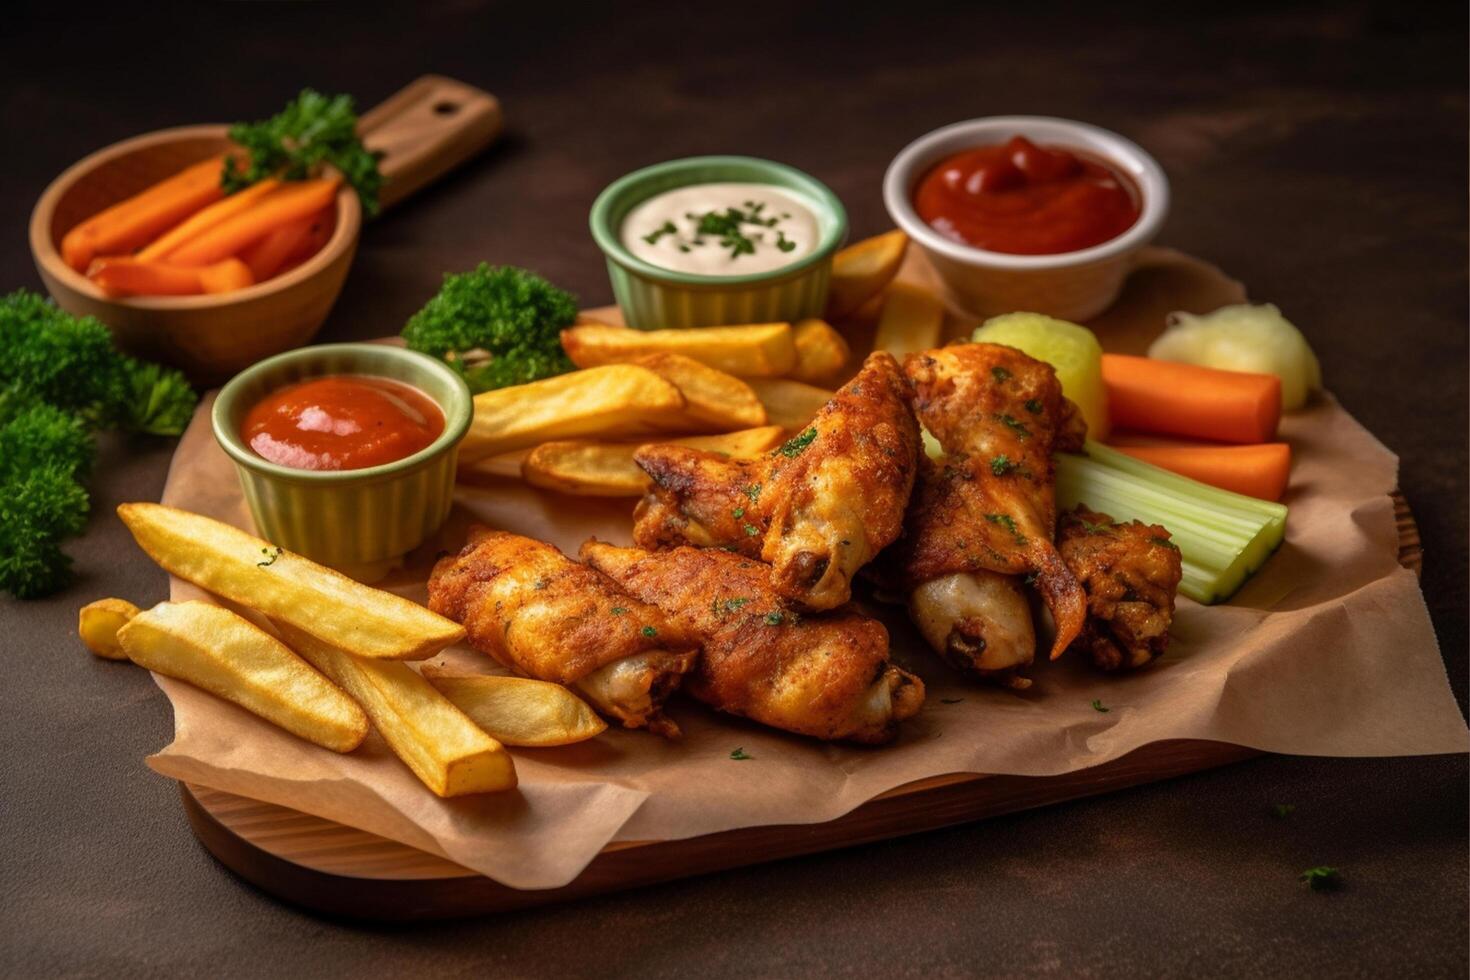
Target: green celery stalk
(1223, 537)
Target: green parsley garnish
(751, 530)
(774, 618)
(1283, 810)
(753, 492)
(667, 228)
(1010, 422)
(618, 610)
(649, 631)
(1000, 374)
(1009, 523)
(797, 445)
(738, 513)
(1001, 465)
(1098, 706)
(1092, 528)
(1322, 879)
(271, 560)
(740, 755)
(1033, 406)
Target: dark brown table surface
(1317, 153)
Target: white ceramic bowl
(1070, 285)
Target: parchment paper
(1327, 651)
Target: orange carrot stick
(1187, 400)
(1256, 471)
(321, 232)
(290, 202)
(201, 221)
(128, 276)
(142, 217)
(266, 256)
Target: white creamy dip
(722, 229)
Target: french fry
(327, 604)
(134, 222)
(444, 748)
(506, 466)
(232, 658)
(518, 710)
(911, 321)
(713, 398)
(790, 404)
(606, 469)
(613, 400)
(756, 350)
(821, 353)
(98, 623)
(861, 270)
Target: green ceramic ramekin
(653, 298)
(359, 521)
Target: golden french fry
(861, 270)
(447, 751)
(790, 404)
(505, 466)
(711, 397)
(612, 400)
(821, 352)
(517, 710)
(911, 321)
(246, 570)
(606, 469)
(98, 623)
(755, 350)
(232, 658)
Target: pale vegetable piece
(447, 751)
(821, 353)
(518, 710)
(790, 404)
(98, 623)
(912, 320)
(614, 400)
(607, 469)
(861, 270)
(755, 350)
(1245, 338)
(246, 570)
(1072, 350)
(232, 658)
(712, 398)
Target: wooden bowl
(210, 337)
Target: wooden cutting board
(340, 870)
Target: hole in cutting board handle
(446, 108)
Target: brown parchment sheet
(1328, 650)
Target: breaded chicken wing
(989, 506)
(817, 509)
(1131, 575)
(544, 615)
(826, 675)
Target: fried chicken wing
(826, 675)
(989, 506)
(817, 509)
(1131, 575)
(544, 615)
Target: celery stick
(1223, 537)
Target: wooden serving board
(332, 868)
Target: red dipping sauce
(1025, 199)
(346, 422)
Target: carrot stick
(203, 220)
(321, 232)
(128, 276)
(1187, 400)
(290, 202)
(1256, 471)
(142, 217)
(266, 256)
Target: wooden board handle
(427, 129)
